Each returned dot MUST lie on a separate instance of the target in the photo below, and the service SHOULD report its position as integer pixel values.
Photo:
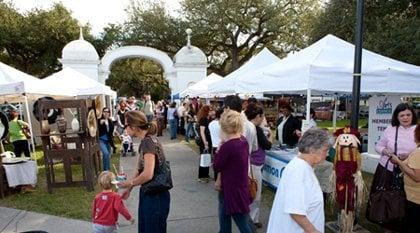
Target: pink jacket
(405, 143)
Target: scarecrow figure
(349, 183)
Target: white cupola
(190, 64)
(190, 55)
(81, 56)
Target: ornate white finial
(81, 32)
(188, 31)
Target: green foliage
(135, 77)
(229, 32)
(390, 27)
(110, 38)
(32, 41)
(241, 28)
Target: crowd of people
(237, 135)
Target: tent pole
(30, 126)
(357, 65)
(335, 114)
(308, 104)
(111, 113)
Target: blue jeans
(97, 228)
(153, 212)
(105, 148)
(189, 132)
(173, 127)
(243, 221)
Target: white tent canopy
(17, 86)
(14, 84)
(228, 84)
(74, 83)
(327, 67)
(200, 88)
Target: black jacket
(263, 142)
(103, 131)
(289, 136)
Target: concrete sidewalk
(193, 204)
(12, 220)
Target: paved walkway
(193, 204)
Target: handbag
(162, 178)
(205, 159)
(387, 203)
(253, 186)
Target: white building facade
(188, 67)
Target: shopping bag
(205, 159)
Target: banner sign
(380, 116)
(272, 169)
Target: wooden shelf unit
(75, 148)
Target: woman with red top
(231, 162)
(107, 205)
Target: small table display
(20, 171)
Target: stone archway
(138, 51)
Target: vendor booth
(326, 67)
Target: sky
(97, 12)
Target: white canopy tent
(17, 86)
(200, 88)
(327, 67)
(77, 84)
(228, 84)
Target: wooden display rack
(84, 150)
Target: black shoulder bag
(162, 178)
(387, 203)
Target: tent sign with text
(380, 115)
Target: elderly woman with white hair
(298, 205)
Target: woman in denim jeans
(172, 118)
(106, 129)
(153, 207)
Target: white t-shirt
(126, 139)
(312, 123)
(298, 193)
(148, 108)
(170, 114)
(214, 128)
(250, 133)
(280, 129)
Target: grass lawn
(65, 202)
(340, 123)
